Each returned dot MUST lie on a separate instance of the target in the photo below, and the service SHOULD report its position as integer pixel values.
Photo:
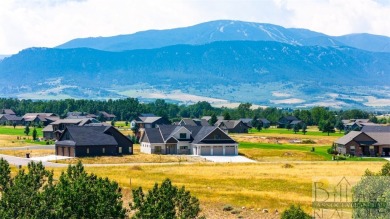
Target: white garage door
(229, 150)
(205, 151)
(218, 150)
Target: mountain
(227, 30)
(261, 72)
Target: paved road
(24, 161)
(29, 147)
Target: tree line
(129, 108)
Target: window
(183, 135)
(87, 150)
(352, 149)
(120, 150)
(103, 150)
(183, 147)
(157, 149)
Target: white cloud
(52, 22)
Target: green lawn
(285, 131)
(319, 150)
(18, 130)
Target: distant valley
(222, 62)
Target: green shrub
(308, 141)
(295, 212)
(227, 208)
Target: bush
(227, 208)
(287, 165)
(295, 212)
(236, 211)
(308, 141)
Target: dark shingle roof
(376, 128)
(198, 133)
(89, 135)
(7, 111)
(11, 117)
(154, 135)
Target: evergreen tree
(34, 134)
(213, 119)
(340, 125)
(328, 127)
(27, 130)
(166, 201)
(296, 128)
(226, 115)
(304, 129)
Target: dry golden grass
(13, 141)
(253, 186)
(33, 153)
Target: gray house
(195, 140)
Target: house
(195, 140)
(106, 116)
(300, 123)
(207, 118)
(148, 121)
(79, 115)
(7, 111)
(8, 119)
(193, 122)
(247, 122)
(83, 141)
(285, 121)
(264, 122)
(370, 141)
(232, 126)
(357, 124)
(39, 118)
(55, 129)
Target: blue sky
(47, 23)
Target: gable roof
(87, 136)
(350, 137)
(107, 115)
(152, 135)
(149, 119)
(7, 111)
(229, 124)
(10, 117)
(165, 132)
(264, 120)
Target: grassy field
(252, 186)
(310, 131)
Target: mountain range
(220, 61)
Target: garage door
(229, 150)
(205, 151)
(218, 150)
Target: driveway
(228, 159)
(24, 161)
(29, 147)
